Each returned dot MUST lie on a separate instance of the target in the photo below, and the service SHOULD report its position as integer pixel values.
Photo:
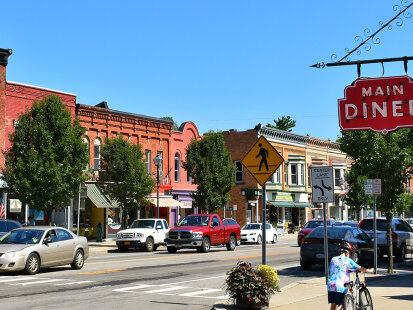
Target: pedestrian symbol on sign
(262, 155)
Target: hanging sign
(380, 104)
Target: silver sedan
(35, 247)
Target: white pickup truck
(146, 233)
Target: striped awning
(165, 201)
(99, 199)
(290, 204)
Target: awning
(165, 201)
(290, 204)
(99, 199)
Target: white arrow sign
(323, 184)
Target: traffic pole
(375, 233)
(264, 238)
(325, 241)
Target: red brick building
(182, 186)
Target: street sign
(372, 187)
(262, 160)
(380, 104)
(323, 184)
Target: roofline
(42, 88)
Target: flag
(344, 192)
(166, 179)
(2, 210)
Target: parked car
(309, 227)
(402, 235)
(410, 222)
(202, 231)
(7, 225)
(347, 223)
(253, 233)
(312, 246)
(35, 247)
(143, 233)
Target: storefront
(168, 209)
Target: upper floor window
(148, 161)
(160, 154)
(296, 174)
(97, 155)
(239, 172)
(337, 178)
(276, 177)
(85, 140)
(188, 178)
(177, 168)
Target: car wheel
(149, 244)
(259, 239)
(78, 261)
(401, 255)
(32, 264)
(231, 243)
(274, 239)
(205, 245)
(171, 249)
(305, 265)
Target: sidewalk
(102, 247)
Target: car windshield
(251, 226)
(367, 224)
(22, 236)
(332, 233)
(201, 220)
(313, 224)
(143, 224)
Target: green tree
(209, 164)
(170, 118)
(123, 176)
(386, 157)
(45, 163)
(285, 123)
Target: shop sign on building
(380, 104)
(15, 206)
(186, 204)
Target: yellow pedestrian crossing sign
(262, 160)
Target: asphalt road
(140, 280)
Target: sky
(222, 64)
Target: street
(136, 279)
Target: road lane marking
(20, 279)
(178, 256)
(76, 282)
(167, 289)
(129, 289)
(39, 282)
(197, 293)
(194, 280)
(104, 271)
(258, 255)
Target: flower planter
(248, 305)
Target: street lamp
(158, 162)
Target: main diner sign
(380, 104)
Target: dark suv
(7, 225)
(402, 234)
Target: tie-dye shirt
(340, 268)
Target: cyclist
(340, 268)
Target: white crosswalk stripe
(173, 290)
(39, 282)
(31, 280)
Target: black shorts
(336, 298)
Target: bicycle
(358, 296)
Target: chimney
(4, 55)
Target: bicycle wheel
(349, 303)
(365, 301)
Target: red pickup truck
(201, 231)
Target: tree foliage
(123, 176)
(45, 163)
(356, 197)
(386, 157)
(285, 123)
(170, 118)
(209, 164)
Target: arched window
(177, 167)
(97, 148)
(85, 140)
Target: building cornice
(277, 135)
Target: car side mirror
(47, 240)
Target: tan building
(288, 192)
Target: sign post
(323, 191)
(373, 187)
(262, 160)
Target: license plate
(126, 243)
(319, 255)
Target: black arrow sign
(326, 187)
(318, 187)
